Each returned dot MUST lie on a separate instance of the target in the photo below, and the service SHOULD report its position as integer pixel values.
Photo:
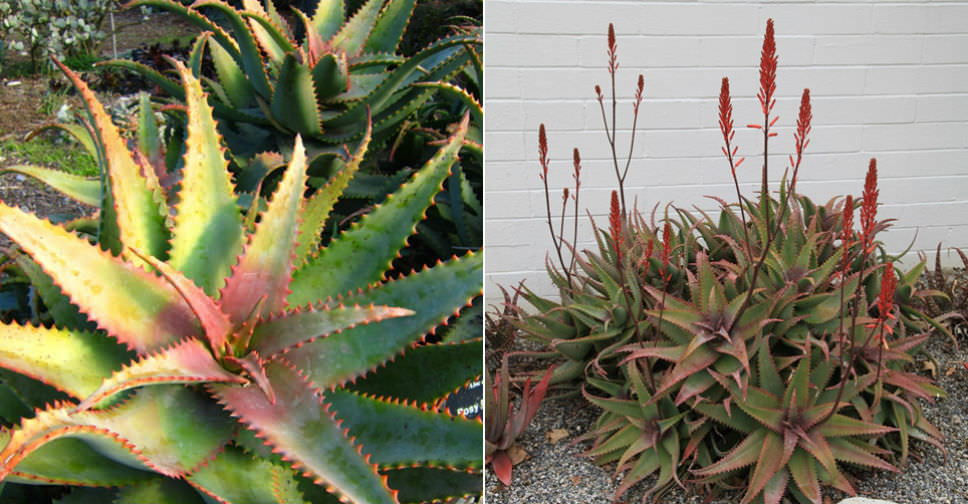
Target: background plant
(318, 74)
(58, 28)
(765, 349)
(224, 298)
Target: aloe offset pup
(201, 353)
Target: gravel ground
(557, 473)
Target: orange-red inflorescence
(768, 61)
(615, 225)
(868, 210)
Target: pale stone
(865, 500)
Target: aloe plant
(504, 424)
(202, 351)
(768, 348)
(269, 85)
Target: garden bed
(554, 470)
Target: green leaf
(424, 484)
(184, 363)
(64, 313)
(82, 189)
(351, 353)
(158, 491)
(249, 55)
(328, 18)
(388, 31)
(296, 328)
(302, 429)
(353, 35)
(293, 102)
(69, 461)
(140, 210)
(425, 373)
(167, 429)
(746, 453)
(207, 235)
(266, 266)
(396, 434)
(363, 253)
(238, 478)
(268, 33)
(321, 203)
(80, 132)
(330, 76)
(53, 356)
(804, 471)
(237, 87)
(137, 308)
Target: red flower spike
(886, 300)
(564, 195)
(847, 229)
(768, 61)
(543, 151)
(638, 94)
(868, 210)
(612, 50)
(803, 121)
(725, 111)
(576, 161)
(615, 225)
(649, 247)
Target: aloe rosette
(200, 353)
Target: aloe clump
(199, 353)
(766, 349)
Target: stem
(764, 189)
(554, 240)
(574, 237)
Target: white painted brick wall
(887, 79)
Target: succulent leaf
(82, 189)
(321, 204)
(70, 461)
(141, 432)
(266, 267)
(378, 236)
(234, 477)
(50, 355)
(140, 211)
(206, 237)
(389, 27)
(433, 440)
(298, 327)
(425, 373)
(293, 101)
(139, 309)
(353, 35)
(158, 491)
(306, 435)
(185, 362)
(352, 353)
(427, 484)
(250, 57)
